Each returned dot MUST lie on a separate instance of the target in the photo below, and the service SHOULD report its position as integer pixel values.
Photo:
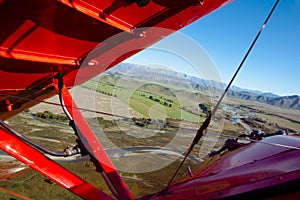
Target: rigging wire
(152, 122)
(206, 123)
(202, 129)
(32, 143)
(58, 104)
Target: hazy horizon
(221, 39)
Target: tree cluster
(51, 116)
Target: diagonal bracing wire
(202, 129)
(152, 122)
(204, 126)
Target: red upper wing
(41, 38)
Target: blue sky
(226, 34)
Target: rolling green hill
(152, 100)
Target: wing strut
(25, 153)
(89, 144)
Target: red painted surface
(247, 169)
(39, 39)
(37, 161)
(14, 194)
(93, 146)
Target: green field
(151, 100)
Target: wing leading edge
(40, 39)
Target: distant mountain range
(185, 81)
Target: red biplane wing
(40, 39)
(255, 171)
